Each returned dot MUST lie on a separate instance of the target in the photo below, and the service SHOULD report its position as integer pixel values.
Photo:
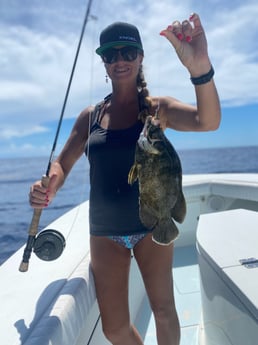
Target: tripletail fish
(158, 169)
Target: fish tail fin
(165, 232)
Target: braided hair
(144, 96)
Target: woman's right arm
(41, 196)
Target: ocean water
(16, 176)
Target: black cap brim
(108, 45)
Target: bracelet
(203, 79)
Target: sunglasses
(128, 54)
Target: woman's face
(122, 63)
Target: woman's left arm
(191, 47)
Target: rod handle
(33, 230)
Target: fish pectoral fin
(165, 232)
(133, 174)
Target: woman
(114, 128)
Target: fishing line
(156, 115)
(54, 241)
(86, 166)
(68, 88)
(93, 330)
(84, 182)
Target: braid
(144, 96)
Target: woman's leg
(155, 263)
(110, 264)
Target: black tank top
(114, 204)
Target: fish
(158, 169)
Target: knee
(110, 334)
(165, 314)
(115, 334)
(167, 324)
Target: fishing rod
(49, 244)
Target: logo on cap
(127, 38)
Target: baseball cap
(119, 33)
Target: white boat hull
(55, 303)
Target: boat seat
(229, 285)
(53, 299)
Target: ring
(185, 22)
(176, 23)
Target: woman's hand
(189, 40)
(40, 196)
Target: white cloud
(16, 90)
(38, 64)
(36, 55)
(16, 132)
(33, 64)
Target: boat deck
(187, 296)
(56, 301)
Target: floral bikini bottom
(128, 241)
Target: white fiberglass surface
(187, 296)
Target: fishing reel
(49, 245)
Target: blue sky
(38, 44)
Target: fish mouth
(145, 141)
(147, 144)
(150, 121)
